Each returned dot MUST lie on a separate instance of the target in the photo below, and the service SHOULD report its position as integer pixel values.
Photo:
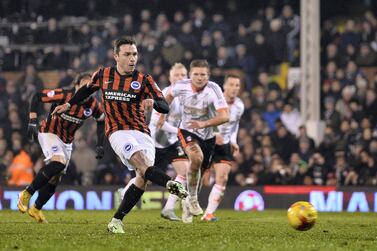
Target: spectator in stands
(298, 169)
(350, 35)
(246, 63)
(304, 151)
(317, 171)
(29, 82)
(291, 118)
(303, 134)
(21, 168)
(127, 26)
(172, 50)
(271, 115)
(263, 52)
(285, 143)
(52, 35)
(371, 106)
(55, 58)
(291, 27)
(367, 169)
(6, 157)
(330, 115)
(366, 56)
(342, 105)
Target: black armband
(161, 105)
(100, 132)
(81, 94)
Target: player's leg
(132, 181)
(156, 175)
(137, 151)
(56, 154)
(181, 166)
(222, 170)
(54, 167)
(195, 154)
(131, 196)
(44, 194)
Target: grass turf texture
(145, 230)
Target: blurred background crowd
(43, 44)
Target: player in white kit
(168, 148)
(226, 145)
(204, 107)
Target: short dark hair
(231, 75)
(202, 63)
(80, 76)
(121, 41)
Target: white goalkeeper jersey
(163, 138)
(229, 129)
(200, 105)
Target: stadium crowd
(275, 147)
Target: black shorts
(223, 154)
(207, 146)
(165, 156)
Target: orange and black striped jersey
(66, 124)
(123, 96)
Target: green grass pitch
(145, 230)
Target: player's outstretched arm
(221, 117)
(161, 105)
(79, 96)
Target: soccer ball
(302, 215)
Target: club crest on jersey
(50, 94)
(88, 112)
(128, 147)
(135, 85)
(189, 138)
(54, 148)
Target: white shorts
(126, 142)
(52, 145)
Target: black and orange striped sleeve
(153, 91)
(151, 88)
(47, 96)
(97, 79)
(52, 96)
(87, 90)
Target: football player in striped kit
(124, 90)
(55, 136)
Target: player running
(123, 90)
(204, 107)
(226, 145)
(168, 148)
(55, 137)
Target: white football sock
(214, 198)
(193, 182)
(172, 199)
